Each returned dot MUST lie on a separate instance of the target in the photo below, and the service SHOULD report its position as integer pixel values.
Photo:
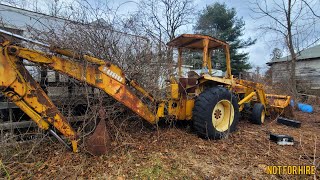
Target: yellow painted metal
(189, 108)
(74, 145)
(94, 60)
(228, 61)
(160, 110)
(173, 108)
(263, 116)
(111, 79)
(65, 52)
(111, 82)
(205, 53)
(106, 67)
(113, 72)
(36, 117)
(69, 53)
(217, 79)
(174, 91)
(262, 97)
(209, 61)
(239, 89)
(278, 101)
(277, 96)
(182, 109)
(135, 85)
(247, 87)
(194, 41)
(18, 86)
(206, 44)
(173, 80)
(247, 98)
(10, 77)
(222, 115)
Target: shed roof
(310, 53)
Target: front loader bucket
(99, 142)
(280, 104)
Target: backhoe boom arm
(18, 85)
(106, 77)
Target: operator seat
(188, 85)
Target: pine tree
(222, 23)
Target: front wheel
(258, 114)
(216, 113)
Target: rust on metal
(194, 41)
(27, 94)
(278, 101)
(99, 142)
(249, 84)
(187, 85)
(113, 83)
(39, 100)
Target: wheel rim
(222, 115)
(263, 116)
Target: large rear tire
(216, 113)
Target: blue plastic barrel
(305, 107)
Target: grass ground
(172, 153)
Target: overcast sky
(259, 53)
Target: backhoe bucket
(99, 142)
(280, 104)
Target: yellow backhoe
(212, 103)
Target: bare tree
(54, 7)
(166, 17)
(162, 20)
(292, 20)
(88, 29)
(308, 4)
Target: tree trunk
(292, 52)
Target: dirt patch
(173, 153)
